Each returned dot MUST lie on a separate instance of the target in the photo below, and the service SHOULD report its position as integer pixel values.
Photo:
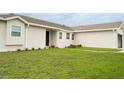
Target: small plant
(33, 49)
(79, 45)
(52, 46)
(26, 49)
(74, 46)
(18, 49)
(39, 48)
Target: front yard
(68, 63)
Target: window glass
(67, 35)
(16, 31)
(72, 36)
(60, 35)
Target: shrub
(39, 48)
(52, 46)
(74, 46)
(33, 49)
(26, 49)
(18, 49)
(79, 45)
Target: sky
(77, 19)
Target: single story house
(21, 32)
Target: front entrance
(47, 38)
(120, 41)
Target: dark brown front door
(47, 38)
(120, 41)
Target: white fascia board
(18, 17)
(50, 27)
(10, 18)
(95, 30)
(33, 24)
(45, 26)
(1, 18)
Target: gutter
(56, 28)
(95, 30)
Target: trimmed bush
(39, 48)
(33, 49)
(52, 46)
(18, 49)
(79, 45)
(74, 46)
(26, 49)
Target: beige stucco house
(21, 32)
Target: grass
(65, 63)
(99, 49)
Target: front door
(47, 38)
(119, 41)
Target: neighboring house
(20, 32)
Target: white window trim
(61, 35)
(11, 31)
(68, 38)
(73, 36)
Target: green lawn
(99, 49)
(68, 63)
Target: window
(60, 35)
(72, 36)
(16, 31)
(67, 35)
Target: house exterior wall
(12, 40)
(2, 35)
(62, 43)
(7, 42)
(121, 32)
(102, 39)
(123, 39)
(31, 37)
(53, 38)
(122, 27)
(36, 37)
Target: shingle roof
(38, 21)
(99, 26)
(82, 28)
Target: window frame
(15, 33)
(60, 35)
(73, 36)
(67, 35)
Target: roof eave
(45, 26)
(92, 30)
(18, 17)
(50, 27)
(1, 18)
